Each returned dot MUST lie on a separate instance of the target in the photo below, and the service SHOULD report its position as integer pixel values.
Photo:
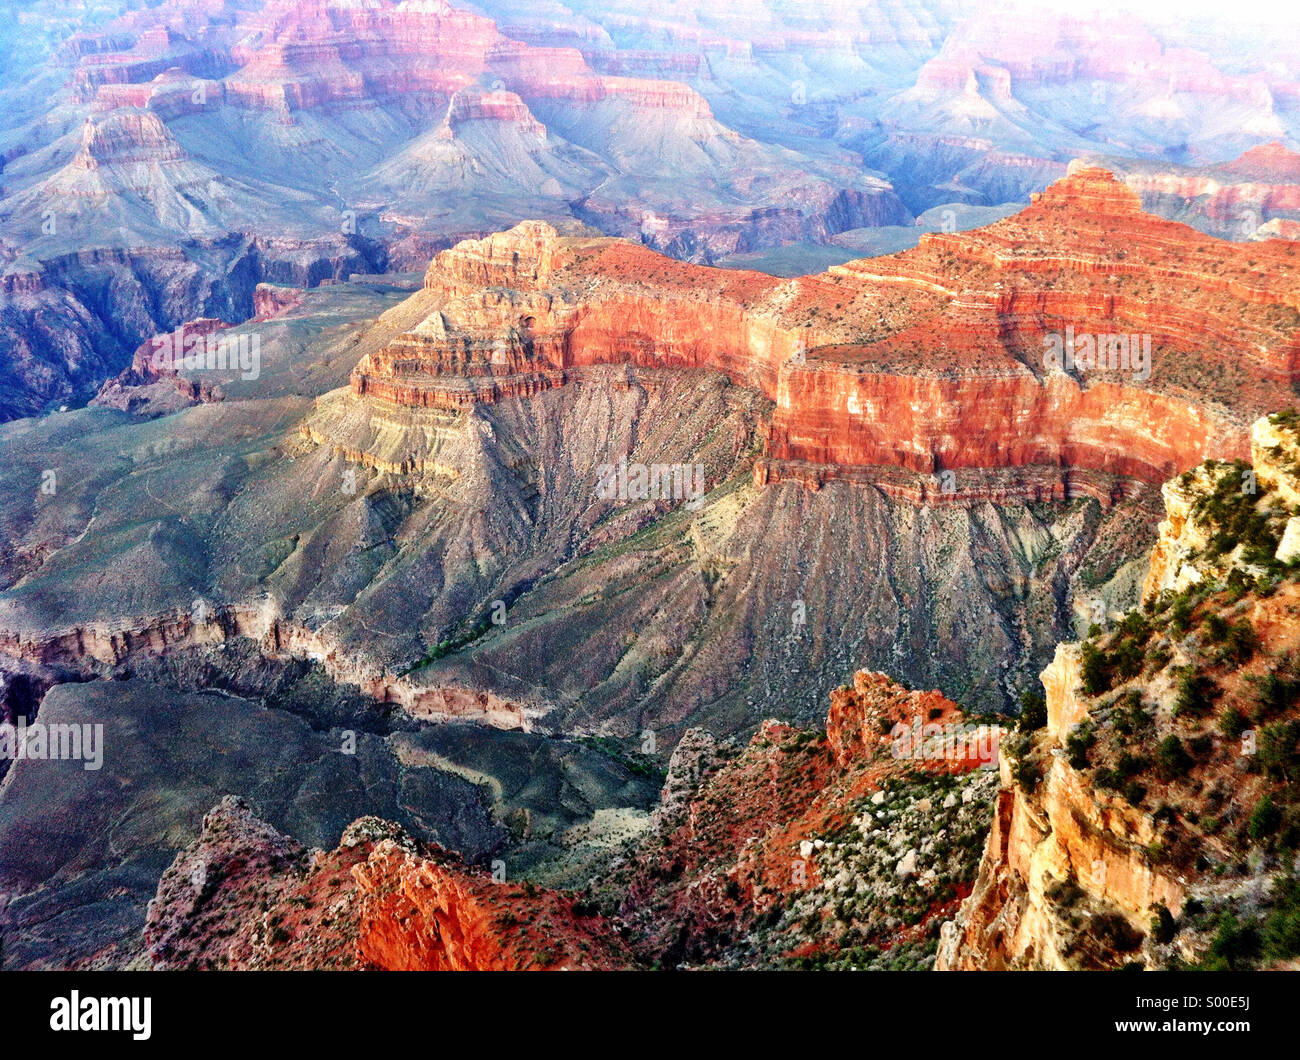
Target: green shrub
(1196, 693)
(1216, 628)
(1264, 819)
(1235, 947)
(1096, 670)
(1172, 759)
(1128, 658)
(1028, 775)
(1130, 765)
(1281, 933)
(1232, 723)
(1239, 644)
(1277, 749)
(1276, 690)
(1078, 744)
(1129, 717)
(1135, 624)
(1033, 712)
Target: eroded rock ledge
(1141, 819)
(93, 649)
(928, 360)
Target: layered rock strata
(935, 359)
(243, 896)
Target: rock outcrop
(1191, 547)
(800, 849)
(1255, 196)
(152, 385)
(746, 850)
(943, 358)
(243, 896)
(1148, 822)
(418, 913)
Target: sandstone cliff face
(1140, 798)
(1066, 834)
(905, 361)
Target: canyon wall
(1128, 829)
(93, 649)
(1255, 196)
(930, 360)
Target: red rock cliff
(934, 358)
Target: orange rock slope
(739, 841)
(243, 896)
(930, 359)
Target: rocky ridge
(893, 361)
(774, 854)
(245, 897)
(1147, 811)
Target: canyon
(144, 149)
(454, 476)
(403, 507)
(856, 846)
(944, 613)
(890, 361)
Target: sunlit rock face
(944, 357)
(1095, 858)
(379, 901)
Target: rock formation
(901, 361)
(1148, 822)
(793, 820)
(243, 896)
(385, 131)
(1255, 196)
